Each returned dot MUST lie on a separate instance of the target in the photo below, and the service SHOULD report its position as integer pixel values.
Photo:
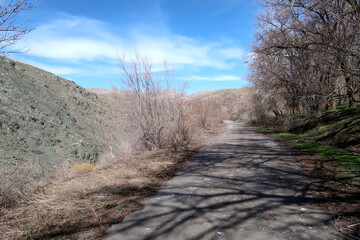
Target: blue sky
(204, 41)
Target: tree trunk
(350, 93)
(277, 112)
(332, 105)
(352, 103)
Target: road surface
(241, 185)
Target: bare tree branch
(13, 16)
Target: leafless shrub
(243, 107)
(18, 180)
(153, 108)
(207, 113)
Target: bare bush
(243, 106)
(18, 180)
(201, 111)
(207, 113)
(154, 109)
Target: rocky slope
(48, 119)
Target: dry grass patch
(82, 168)
(86, 205)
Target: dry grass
(82, 168)
(86, 205)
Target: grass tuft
(82, 168)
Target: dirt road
(241, 185)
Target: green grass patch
(84, 214)
(265, 129)
(285, 135)
(344, 107)
(343, 129)
(119, 208)
(345, 162)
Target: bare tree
(13, 16)
(306, 56)
(154, 111)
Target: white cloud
(76, 46)
(72, 49)
(177, 50)
(57, 70)
(71, 38)
(214, 78)
(233, 53)
(81, 39)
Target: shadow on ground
(242, 185)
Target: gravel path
(241, 185)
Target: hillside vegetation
(207, 108)
(47, 125)
(338, 128)
(327, 147)
(333, 134)
(70, 162)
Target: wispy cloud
(58, 69)
(81, 39)
(72, 38)
(232, 53)
(214, 78)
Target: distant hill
(206, 94)
(49, 119)
(101, 91)
(229, 100)
(200, 94)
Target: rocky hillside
(48, 119)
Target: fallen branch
(352, 225)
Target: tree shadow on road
(236, 188)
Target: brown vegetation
(85, 205)
(82, 168)
(17, 180)
(155, 112)
(78, 196)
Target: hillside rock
(49, 119)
